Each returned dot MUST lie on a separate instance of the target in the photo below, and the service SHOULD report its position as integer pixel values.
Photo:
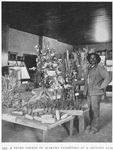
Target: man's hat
(96, 55)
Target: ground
(17, 133)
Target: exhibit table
(45, 127)
(21, 120)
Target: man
(96, 80)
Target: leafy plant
(10, 85)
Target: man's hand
(97, 87)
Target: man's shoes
(88, 129)
(93, 130)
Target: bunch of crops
(10, 85)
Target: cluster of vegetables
(44, 115)
(40, 99)
(13, 92)
(43, 108)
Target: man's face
(93, 60)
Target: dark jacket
(99, 79)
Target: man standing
(96, 80)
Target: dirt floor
(17, 133)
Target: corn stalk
(10, 85)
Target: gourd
(28, 117)
(57, 115)
(37, 110)
(48, 120)
(47, 116)
(17, 112)
(64, 116)
(37, 118)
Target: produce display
(40, 106)
(12, 91)
(54, 91)
(42, 115)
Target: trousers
(94, 110)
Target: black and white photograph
(56, 66)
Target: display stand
(21, 120)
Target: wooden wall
(97, 47)
(58, 46)
(5, 40)
(23, 42)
